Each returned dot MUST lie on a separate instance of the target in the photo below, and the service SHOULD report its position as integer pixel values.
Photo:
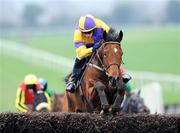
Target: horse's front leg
(100, 87)
(119, 98)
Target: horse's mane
(112, 35)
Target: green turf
(13, 72)
(156, 50)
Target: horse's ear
(120, 36)
(104, 35)
(139, 92)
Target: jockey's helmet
(87, 23)
(30, 79)
(43, 83)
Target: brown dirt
(89, 123)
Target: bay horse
(98, 89)
(57, 102)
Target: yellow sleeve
(20, 100)
(78, 36)
(48, 98)
(101, 24)
(83, 52)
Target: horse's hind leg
(100, 87)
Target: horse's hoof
(115, 111)
(103, 112)
(79, 111)
(105, 107)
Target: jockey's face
(88, 34)
(31, 87)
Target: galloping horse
(98, 85)
(135, 104)
(57, 103)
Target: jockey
(45, 87)
(126, 79)
(87, 37)
(25, 93)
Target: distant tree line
(127, 13)
(132, 14)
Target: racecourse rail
(40, 57)
(54, 62)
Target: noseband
(103, 67)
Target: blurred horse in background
(97, 88)
(57, 103)
(134, 103)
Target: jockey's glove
(96, 46)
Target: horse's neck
(96, 61)
(97, 69)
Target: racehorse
(135, 104)
(41, 102)
(57, 103)
(97, 88)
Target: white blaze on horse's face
(115, 50)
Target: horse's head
(111, 55)
(136, 104)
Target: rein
(84, 99)
(104, 68)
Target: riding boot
(126, 85)
(76, 72)
(127, 88)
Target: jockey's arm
(49, 100)
(49, 92)
(20, 100)
(83, 52)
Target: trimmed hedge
(85, 122)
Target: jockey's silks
(24, 97)
(84, 45)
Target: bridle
(103, 67)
